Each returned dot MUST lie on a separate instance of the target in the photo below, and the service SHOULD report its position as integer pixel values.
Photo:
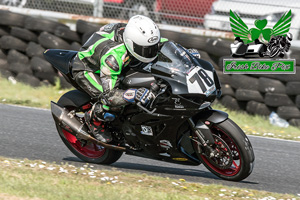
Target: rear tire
(241, 152)
(90, 153)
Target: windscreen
(175, 58)
(183, 72)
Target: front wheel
(90, 152)
(234, 158)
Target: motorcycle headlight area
(205, 105)
(210, 90)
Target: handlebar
(139, 104)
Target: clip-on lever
(145, 109)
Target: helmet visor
(146, 51)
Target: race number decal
(201, 81)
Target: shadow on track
(160, 170)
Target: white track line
(269, 138)
(20, 106)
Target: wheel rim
(237, 161)
(90, 150)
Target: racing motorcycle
(179, 125)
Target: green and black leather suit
(99, 63)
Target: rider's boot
(95, 118)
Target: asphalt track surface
(30, 133)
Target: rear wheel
(234, 158)
(89, 152)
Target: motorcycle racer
(100, 61)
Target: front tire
(91, 153)
(241, 153)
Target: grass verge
(25, 179)
(21, 94)
(260, 125)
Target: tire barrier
(258, 108)
(270, 85)
(227, 90)
(288, 112)
(243, 81)
(23, 40)
(248, 95)
(8, 42)
(263, 93)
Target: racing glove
(142, 95)
(195, 53)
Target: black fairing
(62, 61)
(176, 80)
(75, 98)
(213, 116)
(137, 80)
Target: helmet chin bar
(143, 59)
(129, 47)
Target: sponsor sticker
(129, 95)
(165, 154)
(153, 39)
(165, 144)
(146, 130)
(177, 103)
(180, 159)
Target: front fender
(74, 98)
(213, 116)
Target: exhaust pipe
(71, 124)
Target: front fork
(205, 137)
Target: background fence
(208, 14)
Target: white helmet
(141, 37)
